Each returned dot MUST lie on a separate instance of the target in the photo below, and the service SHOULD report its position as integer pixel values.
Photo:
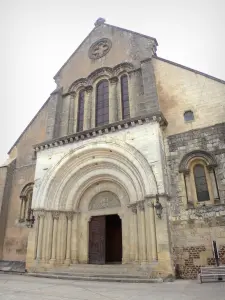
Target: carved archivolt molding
(126, 165)
(26, 190)
(197, 154)
(101, 72)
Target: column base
(52, 261)
(67, 261)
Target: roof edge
(189, 69)
(28, 126)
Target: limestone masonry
(123, 164)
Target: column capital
(88, 89)
(150, 203)
(141, 206)
(39, 213)
(113, 80)
(55, 214)
(70, 215)
(134, 208)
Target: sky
(37, 37)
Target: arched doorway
(105, 240)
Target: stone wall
(16, 234)
(6, 176)
(126, 47)
(180, 89)
(194, 229)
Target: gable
(181, 89)
(124, 46)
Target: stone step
(134, 270)
(95, 278)
(97, 275)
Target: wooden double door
(105, 240)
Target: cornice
(106, 129)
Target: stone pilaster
(113, 100)
(54, 107)
(55, 216)
(141, 232)
(71, 113)
(165, 263)
(135, 92)
(64, 117)
(87, 107)
(68, 238)
(41, 215)
(150, 103)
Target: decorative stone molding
(70, 215)
(39, 213)
(89, 88)
(104, 71)
(113, 80)
(104, 200)
(198, 154)
(106, 129)
(141, 205)
(100, 48)
(55, 214)
(134, 208)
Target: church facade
(123, 164)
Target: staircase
(108, 273)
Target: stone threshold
(105, 129)
(96, 278)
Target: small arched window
(199, 169)
(125, 97)
(26, 202)
(188, 116)
(102, 103)
(201, 184)
(80, 117)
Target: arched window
(125, 97)
(102, 103)
(26, 201)
(188, 116)
(199, 173)
(80, 117)
(201, 184)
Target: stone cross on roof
(99, 21)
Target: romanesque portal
(99, 212)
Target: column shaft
(40, 236)
(74, 237)
(87, 107)
(134, 235)
(148, 233)
(141, 232)
(153, 232)
(68, 238)
(54, 236)
(113, 103)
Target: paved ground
(23, 287)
